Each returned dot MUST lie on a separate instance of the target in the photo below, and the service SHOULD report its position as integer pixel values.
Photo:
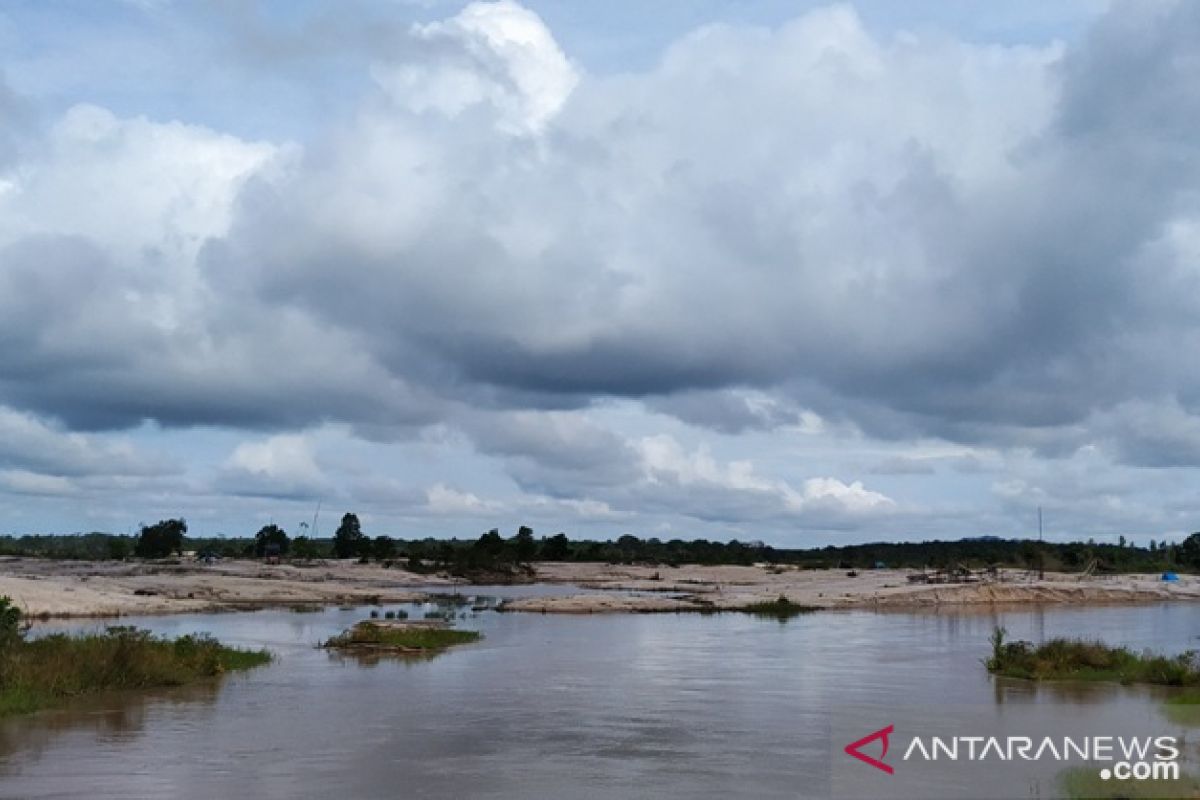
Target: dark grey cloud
(624, 254)
(913, 238)
(555, 454)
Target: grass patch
(305, 608)
(51, 671)
(1190, 697)
(401, 638)
(1084, 783)
(781, 608)
(1079, 660)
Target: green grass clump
(305, 608)
(1085, 783)
(1075, 659)
(781, 608)
(414, 639)
(50, 671)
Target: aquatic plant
(413, 638)
(1076, 659)
(51, 670)
(781, 608)
(305, 608)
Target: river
(601, 706)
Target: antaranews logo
(855, 749)
(1121, 757)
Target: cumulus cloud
(30, 443)
(817, 231)
(20, 481)
(280, 466)
(498, 54)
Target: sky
(796, 272)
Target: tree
(383, 548)
(161, 540)
(524, 547)
(348, 540)
(416, 553)
(1189, 551)
(270, 535)
(303, 547)
(491, 544)
(11, 629)
(556, 548)
(117, 548)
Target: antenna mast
(1041, 554)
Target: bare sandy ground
(105, 588)
(79, 589)
(723, 587)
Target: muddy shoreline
(56, 589)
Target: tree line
(492, 551)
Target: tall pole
(1041, 554)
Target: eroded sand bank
(77, 588)
(106, 588)
(645, 589)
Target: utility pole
(1041, 552)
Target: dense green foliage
(348, 540)
(495, 554)
(1073, 659)
(417, 638)
(161, 540)
(271, 538)
(49, 671)
(782, 608)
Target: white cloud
(820, 246)
(27, 441)
(19, 481)
(665, 461)
(283, 466)
(498, 54)
(442, 499)
(131, 184)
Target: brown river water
(601, 706)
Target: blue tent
(1170, 576)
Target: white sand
(732, 586)
(77, 588)
(80, 588)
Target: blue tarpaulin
(1170, 576)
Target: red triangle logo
(853, 749)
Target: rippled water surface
(625, 706)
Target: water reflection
(663, 706)
(109, 719)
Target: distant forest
(495, 552)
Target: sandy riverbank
(692, 587)
(80, 589)
(108, 588)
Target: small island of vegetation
(1079, 660)
(49, 671)
(781, 608)
(401, 638)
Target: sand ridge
(100, 589)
